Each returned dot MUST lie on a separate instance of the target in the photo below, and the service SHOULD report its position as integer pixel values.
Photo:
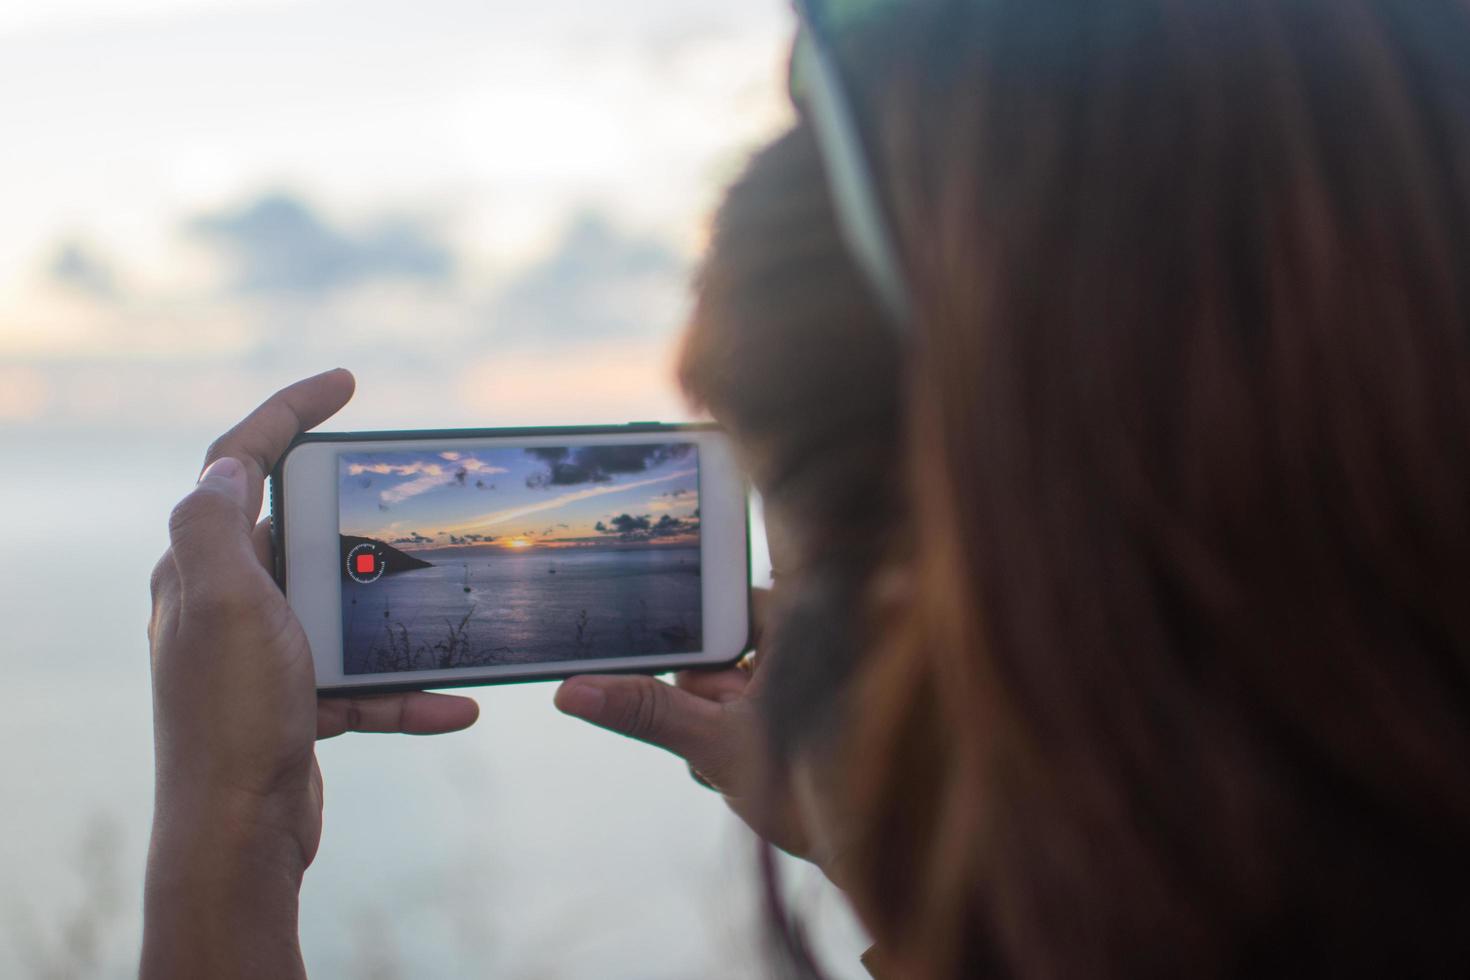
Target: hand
(707, 718)
(238, 791)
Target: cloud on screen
(551, 503)
(626, 527)
(427, 474)
(413, 537)
(598, 464)
(462, 539)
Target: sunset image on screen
(465, 558)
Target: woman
(1122, 623)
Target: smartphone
(433, 559)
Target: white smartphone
(437, 559)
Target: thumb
(649, 710)
(210, 525)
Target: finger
(414, 713)
(263, 436)
(720, 686)
(209, 530)
(648, 710)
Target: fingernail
(226, 473)
(582, 700)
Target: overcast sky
(488, 209)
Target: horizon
(426, 552)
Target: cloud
(626, 527)
(413, 537)
(279, 245)
(672, 500)
(414, 487)
(428, 475)
(512, 513)
(598, 464)
(470, 538)
(597, 282)
(78, 268)
(395, 469)
(469, 464)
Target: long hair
(1178, 677)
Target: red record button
(365, 563)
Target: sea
(525, 607)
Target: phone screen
(514, 555)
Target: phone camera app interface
(365, 562)
(469, 558)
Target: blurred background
(489, 211)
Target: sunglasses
(817, 85)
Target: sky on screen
(516, 499)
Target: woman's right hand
(707, 718)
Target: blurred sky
(487, 209)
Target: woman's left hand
(238, 802)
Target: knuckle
(219, 447)
(644, 713)
(189, 512)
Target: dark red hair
(1174, 474)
